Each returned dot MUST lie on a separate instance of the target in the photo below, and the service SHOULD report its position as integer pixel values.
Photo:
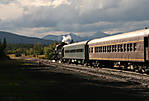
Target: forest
(33, 50)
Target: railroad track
(104, 73)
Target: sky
(83, 17)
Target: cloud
(10, 11)
(36, 3)
(6, 1)
(79, 16)
(56, 3)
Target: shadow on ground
(26, 84)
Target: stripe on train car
(118, 43)
(117, 59)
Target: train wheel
(141, 69)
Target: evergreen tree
(38, 49)
(2, 49)
(4, 43)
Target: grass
(16, 84)
(13, 56)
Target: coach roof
(77, 43)
(138, 33)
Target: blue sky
(82, 17)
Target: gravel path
(85, 83)
(106, 73)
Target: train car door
(146, 48)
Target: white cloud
(39, 17)
(56, 3)
(10, 11)
(36, 3)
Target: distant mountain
(18, 39)
(98, 34)
(53, 37)
(75, 37)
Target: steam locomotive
(128, 50)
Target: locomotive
(127, 50)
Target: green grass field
(17, 84)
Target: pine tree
(4, 43)
(2, 48)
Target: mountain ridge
(76, 38)
(20, 39)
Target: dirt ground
(74, 86)
(32, 82)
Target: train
(127, 51)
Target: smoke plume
(67, 39)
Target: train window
(105, 48)
(92, 50)
(134, 46)
(101, 49)
(96, 49)
(79, 50)
(73, 51)
(121, 48)
(109, 48)
(124, 47)
(131, 47)
(118, 48)
(112, 48)
(67, 51)
(128, 47)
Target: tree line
(32, 49)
